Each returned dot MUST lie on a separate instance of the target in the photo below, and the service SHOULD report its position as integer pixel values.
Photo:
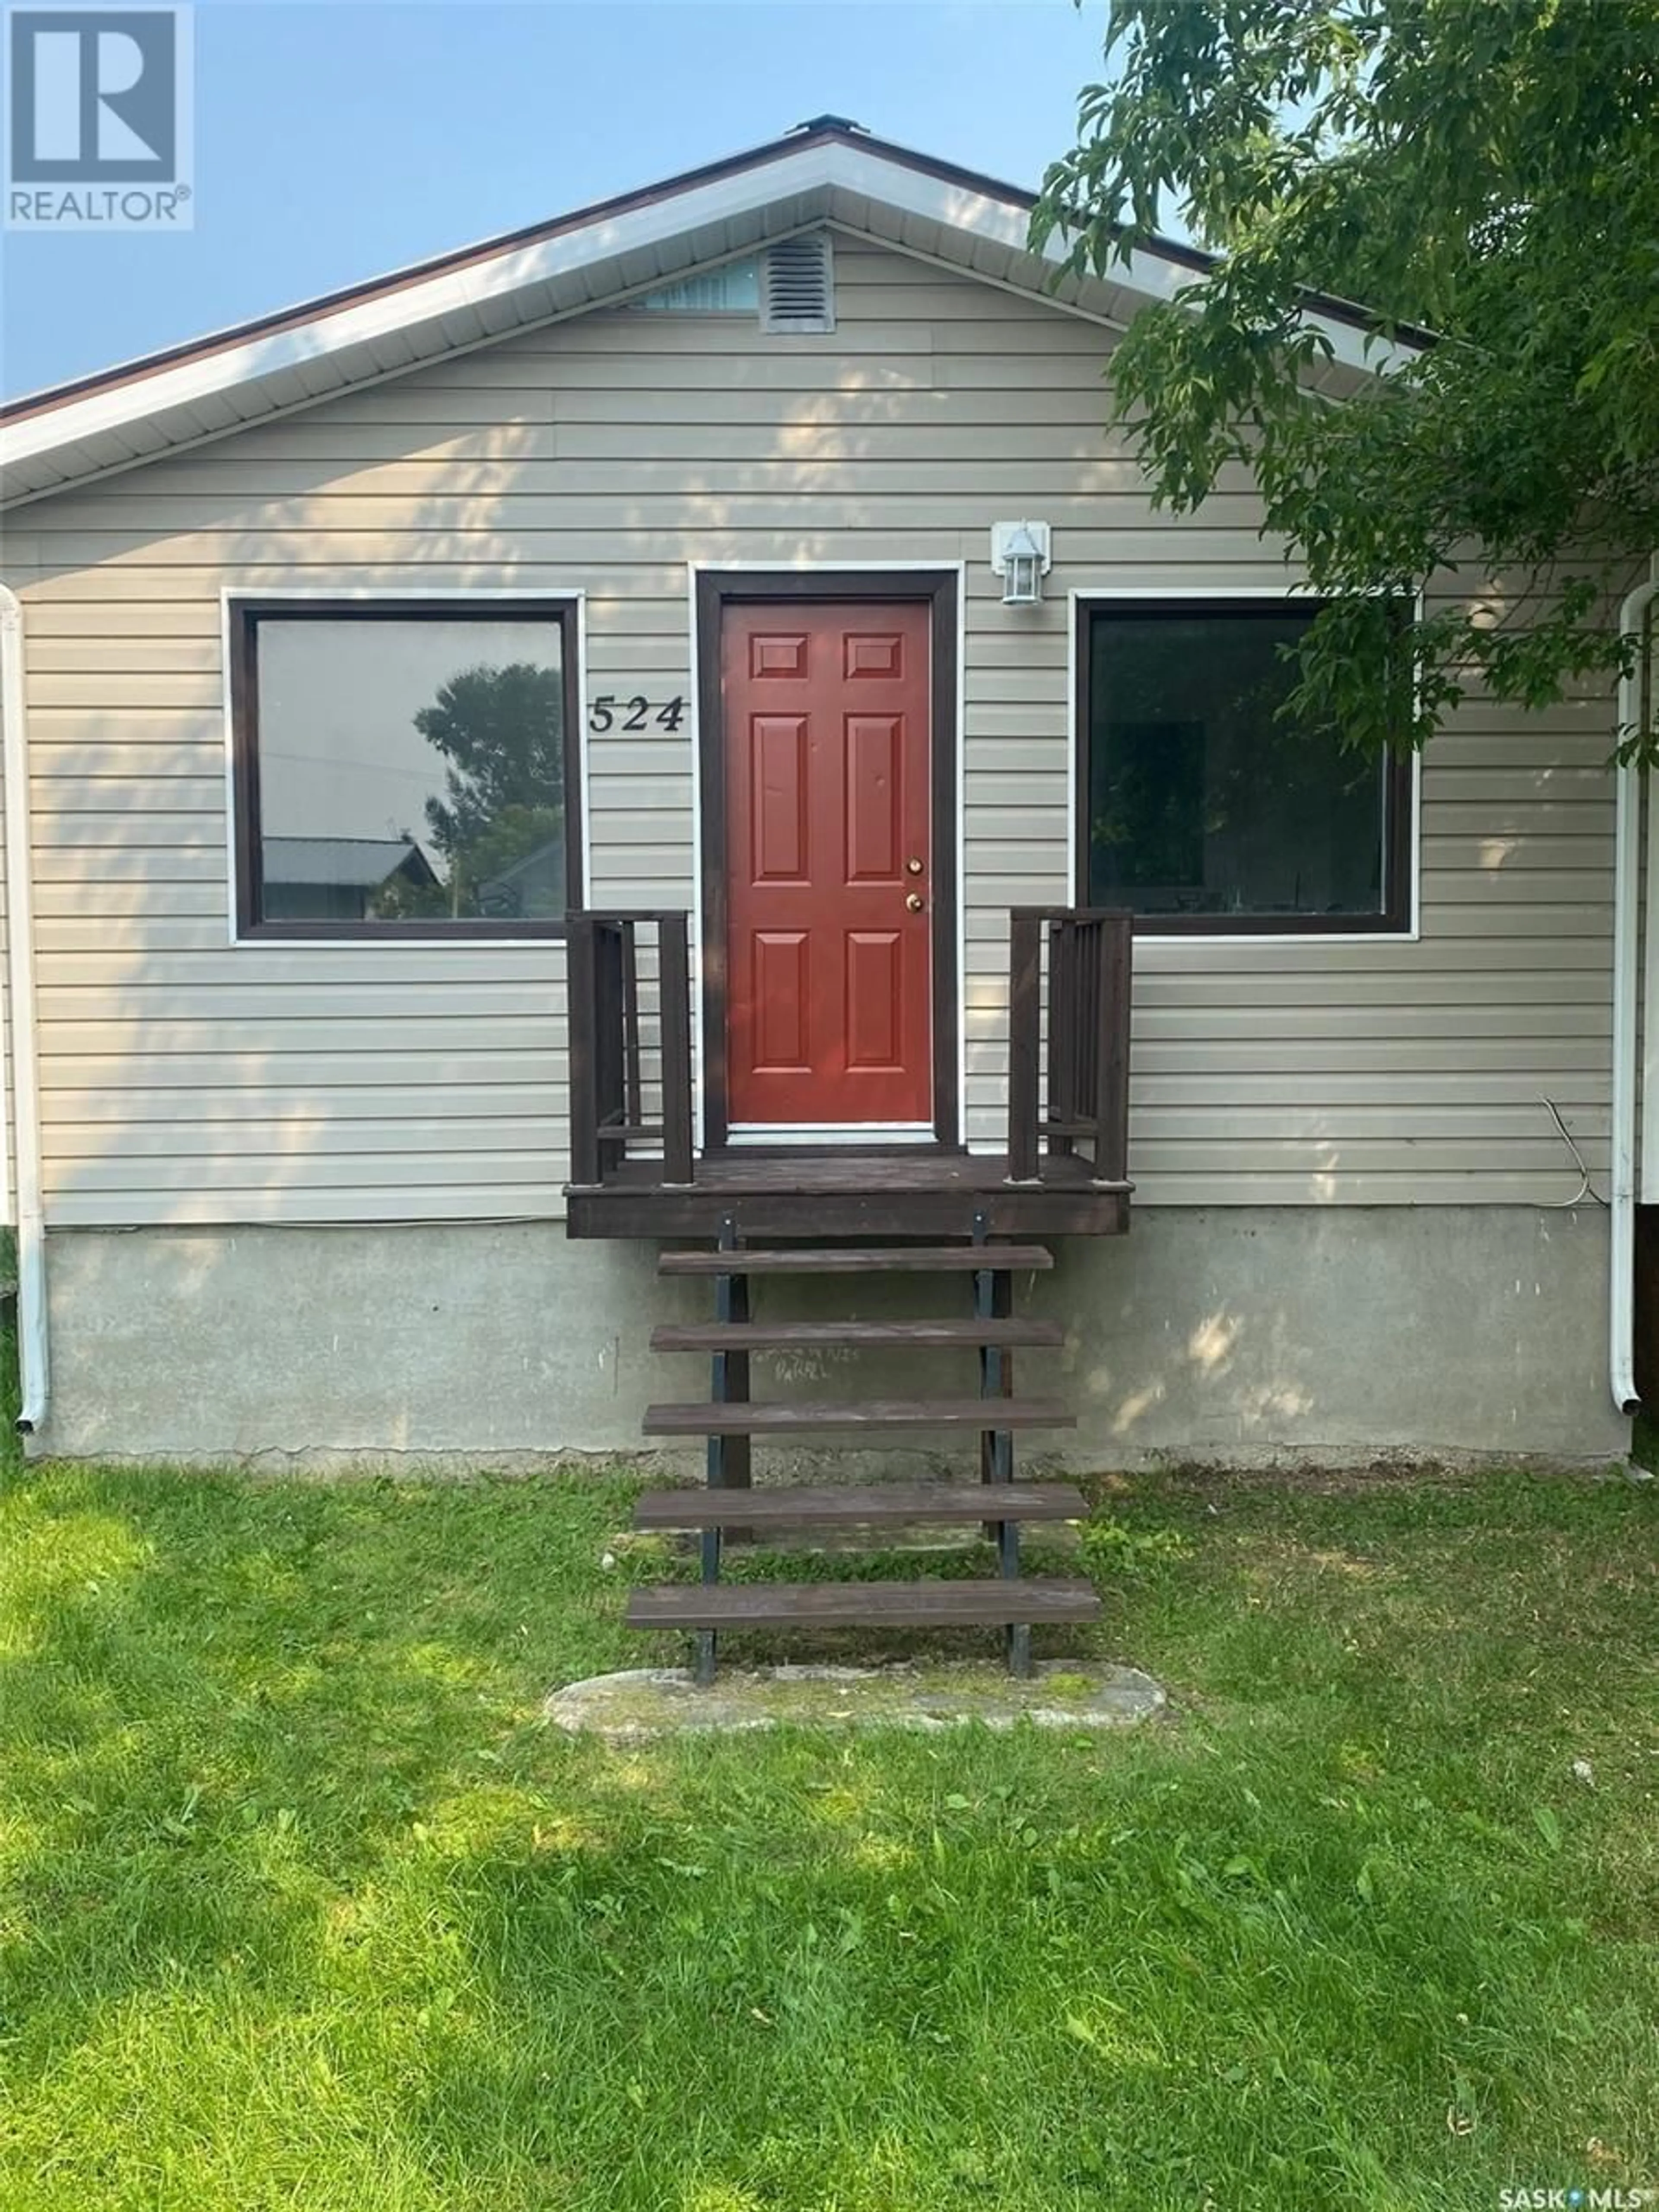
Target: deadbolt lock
(914, 866)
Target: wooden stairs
(728, 1507)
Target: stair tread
(998, 1602)
(859, 1504)
(780, 1335)
(844, 1260)
(752, 1419)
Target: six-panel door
(829, 864)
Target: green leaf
(1338, 147)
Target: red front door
(829, 864)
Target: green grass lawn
(301, 1907)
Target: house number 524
(609, 713)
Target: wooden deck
(909, 1192)
(633, 1166)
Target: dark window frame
(1398, 827)
(246, 612)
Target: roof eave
(600, 257)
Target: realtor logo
(100, 118)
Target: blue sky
(336, 141)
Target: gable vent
(798, 288)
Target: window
(1207, 812)
(732, 290)
(790, 287)
(405, 771)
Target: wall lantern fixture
(1019, 555)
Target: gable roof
(829, 170)
(360, 864)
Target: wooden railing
(629, 1046)
(1081, 1096)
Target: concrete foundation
(1238, 1335)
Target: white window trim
(1106, 594)
(231, 596)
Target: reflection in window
(1206, 806)
(409, 767)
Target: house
(341, 878)
(752, 545)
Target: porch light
(1019, 555)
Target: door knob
(914, 901)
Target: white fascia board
(413, 305)
(823, 167)
(915, 192)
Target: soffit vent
(798, 288)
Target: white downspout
(1627, 842)
(32, 1345)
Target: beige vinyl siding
(186, 1080)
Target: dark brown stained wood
(860, 1172)
(674, 985)
(861, 1195)
(582, 998)
(898, 1259)
(923, 1605)
(1086, 1092)
(634, 1088)
(795, 1336)
(806, 1418)
(1114, 984)
(649, 1210)
(1024, 1027)
(610, 1061)
(606, 1069)
(859, 1505)
(1067, 1084)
